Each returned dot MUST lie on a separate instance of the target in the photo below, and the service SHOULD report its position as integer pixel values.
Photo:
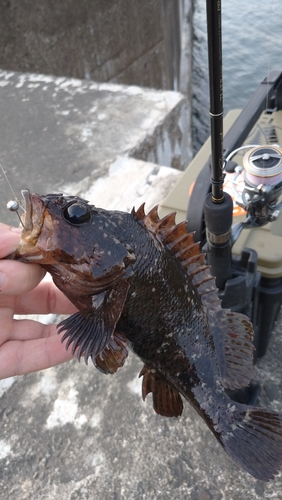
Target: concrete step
(60, 134)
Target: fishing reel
(255, 186)
(253, 179)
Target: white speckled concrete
(59, 132)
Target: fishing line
(269, 48)
(14, 205)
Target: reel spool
(254, 182)
(263, 165)
(257, 186)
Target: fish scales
(141, 282)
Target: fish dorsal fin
(181, 244)
(231, 333)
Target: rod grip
(218, 219)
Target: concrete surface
(136, 43)
(63, 134)
(70, 432)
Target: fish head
(73, 240)
(54, 227)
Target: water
(251, 45)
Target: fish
(141, 283)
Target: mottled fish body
(139, 281)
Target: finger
(9, 239)
(23, 329)
(21, 357)
(17, 278)
(46, 298)
(27, 329)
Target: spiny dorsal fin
(165, 225)
(152, 218)
(232, 333)
(181, 244)
(140, 214)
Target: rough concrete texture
(71, 432)
(58, 131)
(115, 40)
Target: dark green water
(251, 45)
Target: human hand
(26, 345)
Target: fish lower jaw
(30, 239)
(32, 219)
(26, 253)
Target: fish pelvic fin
(113, 356)
(166, 399)
(253, 439)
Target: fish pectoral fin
(113, 356)
(233, 341)
(166, 400)
(90, 330)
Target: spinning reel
(255, 186)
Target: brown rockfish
(141, 282)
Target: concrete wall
(122, 41)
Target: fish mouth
(26, 217)
(32, 220)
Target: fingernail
(17, 230)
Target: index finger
(46, 298)
(9, 239)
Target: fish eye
(77, 213)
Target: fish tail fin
(253, 439)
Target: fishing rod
(218, 205)
(246, 284)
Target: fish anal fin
(90, 330)
(113, 356)
(166, 400)
(232, 335)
